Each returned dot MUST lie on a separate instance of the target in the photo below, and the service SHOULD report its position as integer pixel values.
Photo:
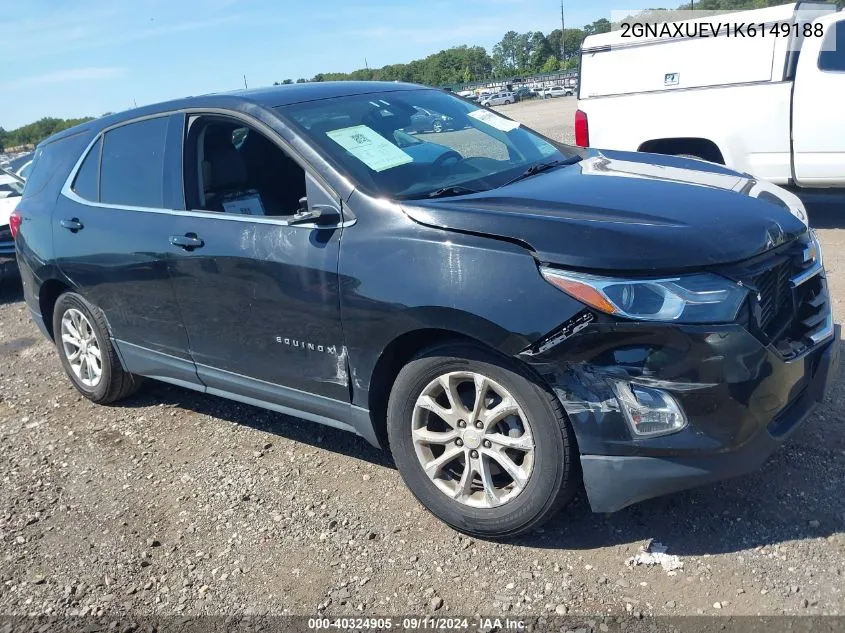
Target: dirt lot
(176, 502)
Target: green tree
(599, 26)
(541, 50)
(573, 39)
(505, 55)
(551, 65)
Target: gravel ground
(177, 502)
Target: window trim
(347, 219)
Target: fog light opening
(649, 412)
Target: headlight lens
(697, 298)
(649, 412)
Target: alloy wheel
(472, 439)
(80, 347)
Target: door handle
(73, 225)
(189, 241)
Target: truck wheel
(480, 442)
(86, 351)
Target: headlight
(697, 298)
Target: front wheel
(437, 126)
(87, 353)
(480, 442)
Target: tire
(112, 383)
(437, 126)
(550, 476)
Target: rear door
(111, 232)
(818, 133)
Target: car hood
(629, 211)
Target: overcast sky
(87, 57)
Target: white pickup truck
(772, 106)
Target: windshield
(412, 143)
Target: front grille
(790, 306)
(774, 291)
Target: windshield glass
(411, 143)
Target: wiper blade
(541, 167)
(455, 190)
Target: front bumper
(741, 400)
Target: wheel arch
(695, 146)
(48, 294)
(404, 347)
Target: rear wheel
(87, 353)
(480, 442)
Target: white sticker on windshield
(494, 120)
(370, 147)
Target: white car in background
(499, 98)
(11, 189)
(558, 91)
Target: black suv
(510, 316)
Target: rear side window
(832, 57)
(87, 183)
(132, 172)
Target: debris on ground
(654, 553)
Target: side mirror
(320, 214)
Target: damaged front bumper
(741, 400)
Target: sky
(88, 57)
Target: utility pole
(562, 33)
(245, 86)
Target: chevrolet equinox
(512, 317)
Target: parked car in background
(499, 98)
(509, 316)
(689, 96)
(559, 91)
(428, 121)
(524, 93)
(11, 189)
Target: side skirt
(292, 402)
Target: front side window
(237, 170)
(132, 172)
(373, 139)
(832, 56)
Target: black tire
(115, 383)
(437, 126)
(556, 474)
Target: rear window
(132, 172)
(52, 162)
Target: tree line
(516, 54)
(34, 133)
